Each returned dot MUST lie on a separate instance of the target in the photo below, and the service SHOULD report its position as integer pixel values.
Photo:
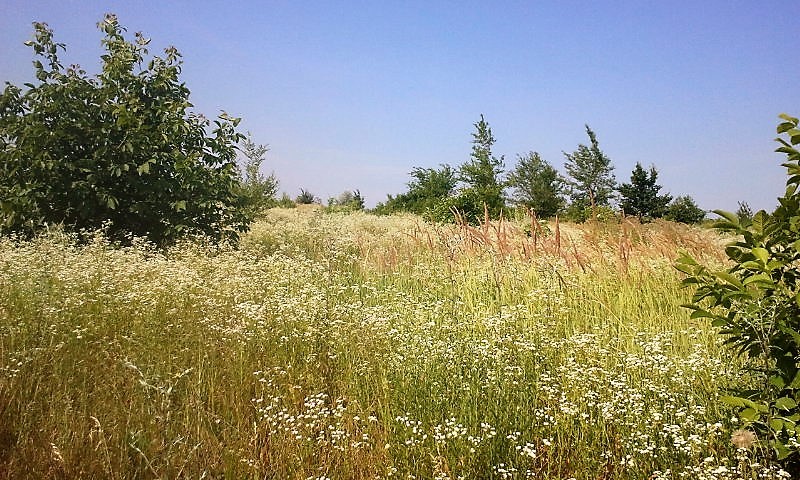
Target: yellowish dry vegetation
(348, 346)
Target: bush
(347, 201)
(684, 210)
(117, 150)
(756, 304)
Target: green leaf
(761, 278)
(749, 415)
(699, 313)
(782, 450)
(776, 424)
(731, 217)
(789, 119)
(785, 403)
(179, 206)
(728, 278)
(143, 168)
(761, 253)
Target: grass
(346, 346)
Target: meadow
(350, 346)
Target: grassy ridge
(349, 346)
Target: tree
(591, 175)
(428, 189)
(306, 198)
(684, 210)
(347, 201)
(755, 303)
(640, 197)
(481, 177)
(744, 211)
(119, 150)
(537, 185)
(258, 190)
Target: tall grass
(349, 346)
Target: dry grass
(351, 346)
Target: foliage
(346, 201)
(361, 347)
(537, 185)
(258, 190)
(744, 211)
(306, 198)
(684, 210)
(640, 197)
(591, 175)
(285, 201)
(483, 189)
(756, 304)
(429, 188)
(119, 150)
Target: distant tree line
(589, 190)
(121, 151)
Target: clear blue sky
(353, 95)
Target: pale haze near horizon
(353, 95)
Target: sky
(355, 94)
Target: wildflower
(743, 438)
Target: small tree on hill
(429, 188)
(481, 177)
(640, 197)
(306, 198)
(118, 150)
(537, 185)
(684, 210)
(591, 175)
(258, 190)
(347, 201)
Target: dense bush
(756, 303)
(119, 150)
(684, 210)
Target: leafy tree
(591, 175)
(258, 190)
(428, 189)
(684, 210)
(640, 197)
(537, 185)
(481, 177)
(118, 150)
(306, 198)
(756, 305)
(347, 201)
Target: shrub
(756, 304)
(118, 150)
(684, 210)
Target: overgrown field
(349, 346)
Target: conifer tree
(640, 197)
(591, 175)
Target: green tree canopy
(257, 189)
(537, 185)
(347, 201)
(640, 197)
(481, 177)
(684, 210)
(591, 175)
(428, 189)
(118, 150)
